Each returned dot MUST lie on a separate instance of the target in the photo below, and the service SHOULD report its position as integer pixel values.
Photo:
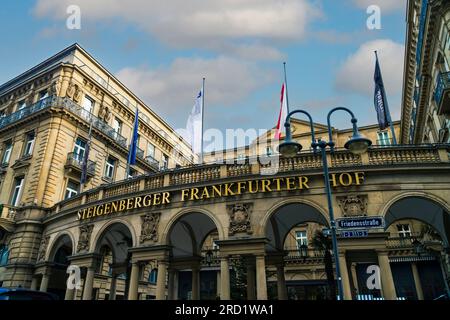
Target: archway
(194, 277)
(298, 247)
(418, 243)
(59, 253)
(114, 261)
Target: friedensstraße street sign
(360, 223)
(354, 234)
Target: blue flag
(380, 100)
(84, 165)
(134, 140)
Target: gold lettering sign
(298, 183)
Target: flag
(134, 140)
(380, 100)
(194, 124)
(84, 164)
(283, 112)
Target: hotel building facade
(246, 224)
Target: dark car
(25, 294)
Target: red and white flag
(283, 113)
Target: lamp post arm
(287, 124)
(354, 121)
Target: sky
(162, 49)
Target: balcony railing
(139, 153)
(75, 160)
(441, 93)
(308, 255)
(153, 162)
(407, 241)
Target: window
(117, 125)
(301, 238)
(150, 150)
(269, 151)
(43, 94)
(241, 156)
(383, 138)
(21, 105)
(165, 161)
(29, 143)
(4, 254)
(80, 148)
(109, 168)
(403, 230)
(132, 173)
(153, 276)
(72, 189)
(7, 152)
(17, 191)
(88, 104)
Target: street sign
(354, 234)
(360, 223)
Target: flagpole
(388, 113)
(286, 88)
(203, 116)
(84, 178)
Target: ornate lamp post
(357, 144)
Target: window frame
(108, 166)
(301, 240)
(29, 144)
(15, 197)
(8, 150)
(72, 192)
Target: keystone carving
(353, 205)
(43, 247)
(85, 237)
(240, 218)
(149, 228)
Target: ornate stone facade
(85, 237)
(43, 248)
(353, 205)
(149, 227)
(240, 215)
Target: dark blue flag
(380, 100)
(84, 165)
(134, 140)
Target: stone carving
(55, 87)
(240, 218)
(104, 113)
(74, 92)
(43, 247)
(70, 90)
(353, 205)
(149, 228)
(85, 237)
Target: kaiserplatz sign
(277, 184)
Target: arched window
(4, 254)
(153, 276)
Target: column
(387, 281)
(281, 283)
(261, 282)
(417, 282)
(161, 280)
(88, 284)
(354, 277)
(112, 288)
(171, 285)
(251, 282)
(34, 283)
(344, 276)
(134, 282)
(195, 283)
(224, 279)
(44, 282)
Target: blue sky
(162, 49)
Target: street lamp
(357, 144)
(209, 257)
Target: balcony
(309, 255)
(27, 111)
(75, 163)
(153, 162)
(442, 93)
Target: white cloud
(356, 73)
(194, 23)
(171, 90)
(386, 6)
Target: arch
(119, 236)
(279, 219)
(427, 208)
(164, 238)
(50, 255)
(187, 230)
(94, 243)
